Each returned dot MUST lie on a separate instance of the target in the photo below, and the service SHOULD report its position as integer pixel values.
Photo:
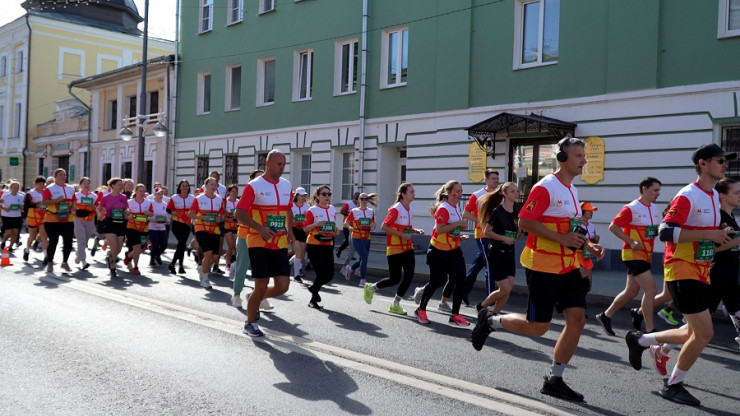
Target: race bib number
(143, 240)
(117, 215)
(86, 201)
(510, 234)
(736, 248)
(63, 208)
(575, 224)
(161, 218)
(651, 231)
(300, 217)
(276, 222)
(364, 222)
(408, 230)
(15, 207)
(210, 216)
(587, 255)
(328, 227)
(455, 232)
(704, 251)
(140, 218)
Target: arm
(617, 231)
(488, 232)
(571, 239)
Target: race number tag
(408, 230)
(276, 222)
(328, 227)
(211, 216)
(63, 208)
(651, 231)
(510, 234)
(575, 225)
(140, 218)
(587, 255)
(117, 214)
(365, 222)
(300, 217)
(455, 232)
(704, 251)
(736, 248)
(161, 219)
(143, 239)
(15, 207)
(86, 201)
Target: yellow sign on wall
(476, 163)
(593, 172)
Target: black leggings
(401, 264)
(55, 229)
(181, 232)
(443, 265)
(345, 232)
(322, 260)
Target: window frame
(354, 60)
(203, 6)
(261, 62)
(111, 114)
(298, 87)
(149, 102)
(71, 52)
(519, 27)
(201, 170)
(305, 168)
(723, 21)
(733, 166)
(350, 168)
(384, 61)
(263, 9)
(18, 69)
(201, 93)
(3, 66)
(17, 119)
(231, 163)
(232, 6)
(229, 88)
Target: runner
(59, 201)
(137, 229)
(112, 213)
(689, 229)
(12, 214)
(178, 207)
(637, 225)
(207, 211)
(444, 257)
(222, 192)
(399, 249)
(321, 226)
(346, 208)
(299, 208)
(83, 221)
(34, 214)
(499, 218)
(265, 209)
(480, 261)
(361, 221)
(128, 188)
(586, 259)
(242, 259)
(158, 227)
(551, 216)
(231, 225)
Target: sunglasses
(325, 193)
(721, 161)
(364, 199)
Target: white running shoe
(236, 301)
(347, 272)
(418, 293)
(232, 274)
(265, 305)
(444, 307)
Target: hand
(465, 237)
(266, 233)
(405, 237)
(721, 236)
(573, 239)
(291, 237)
(463, 224)
(509, 240)
(419, 231)
(320, 224)
(636, 245)
(597, 250)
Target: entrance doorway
(529, 161)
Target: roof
(114, 15)
(505, 120)
(119, 73)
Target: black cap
(709, 151)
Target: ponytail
(442, 195)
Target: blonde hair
(442, 195)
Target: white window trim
(18, 67)
(519, 35)
(723, 20)
(19, 129)
(227, 88)
(384, 58)
(296, 75)
(201, 6)
(263, 10)
(229, 8)
(101, 57)
(338, 67)
(4, 66)
(200, 93)
(261, 81)
(78, 52)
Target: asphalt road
(160, 344)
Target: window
(131, 111)
(266, 81)
(41, 171)
(107, 172)
(345, 67)
(402, 161)
(127, 170)
(204, 93)
(261, 159)
(63, 162)
(19, 62)
(2, 121)
(71, 63)
(233, 87)
(348, 175)
(729, 18)
(231, 171)
(731, 143)
(394, 59)
(153, 101)
(201, 173)
(17, 120)
(267, 6)
(3, 66)
(206, 16)
(235, 12)
(303, 75)
(306, 172)
(537, 27)
(111, 115)
(148, 174)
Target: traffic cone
(5, 261)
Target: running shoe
(418, 293)
(659, 360)
(253, 330)
(298, 279)
(606, 323)
(113, 274)
(35, 244)
(158, 259)
(236, 301)
(677, 393)
(85, 265)
(50, 267)
(444, 307)
(396, 308)
(667, 316)
(66, 267)
(458, 320)
(217, 270)
(314, 302)
(25, 254)
(171, 268)
(481, 330)
(362, 282)
(205, 283)
(126, 259)
(181, 270)
(105, 245)
(635, 349)
(94, 250)
(232, 273)
(421, 316)
(265, 305)
(636, 318)
(136, 271)
(347, 272)
(367, 293)
(556, 387)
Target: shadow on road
(315, 380)
(353, 324)
(595, 409)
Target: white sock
(556, 369)
(667, 348)
(647, 340)
(297, 266)
(495, 322)
(397, 299)
(677, 376)
(736, 321)
(373, 287)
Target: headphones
(561, 155)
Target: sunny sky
(158, 27)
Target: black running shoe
(25, 255)
(678, 394)
(556, 387)
(298, 279)
(606, 323)
(635, 355)
(481, 330)
(478, 307)
(181, 270)
(171, 268)
(636, 318)
(113, 273)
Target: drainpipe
(171, 116)
(28, 92)
(167, 116)
(89, 128)
(363, 81)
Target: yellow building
(40, 54)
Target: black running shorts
(548, 290)
(267, 263)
